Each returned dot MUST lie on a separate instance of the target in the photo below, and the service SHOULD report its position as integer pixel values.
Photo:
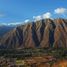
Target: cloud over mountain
(27, 20)
(46, 15)
(37, 18)
(43, 16)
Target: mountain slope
(4, 29)
(44, 33)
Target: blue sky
(20, 10)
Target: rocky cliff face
(44, 33)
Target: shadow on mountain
(51, 34)
(42, 30)
(34, 35)
(19, 34)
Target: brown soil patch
(61, 63)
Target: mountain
(46, 33)
(4, 29)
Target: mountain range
(45, 33)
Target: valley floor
(33, 58)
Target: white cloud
(46, 15)
(40, 17)
(11, 24)
(60, 10)
(27, 20)
(16, 23)
(37, 18)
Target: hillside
(45, 33)
(4, 29)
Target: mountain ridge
(46, 33)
